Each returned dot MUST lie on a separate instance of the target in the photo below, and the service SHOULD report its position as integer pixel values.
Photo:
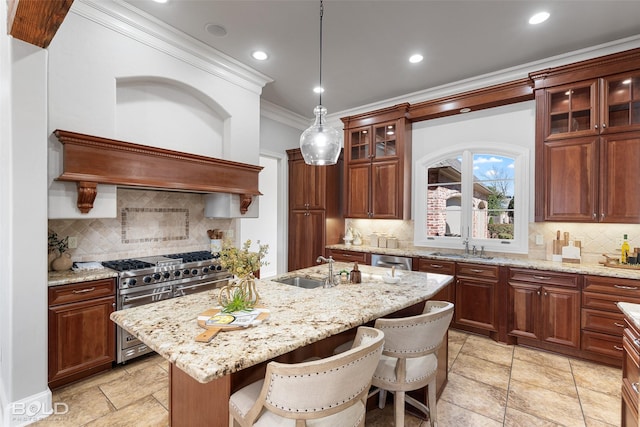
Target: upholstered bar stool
(409, 360)
(330, 392)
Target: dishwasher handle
(389, 264)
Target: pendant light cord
(321, 13)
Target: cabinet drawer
(349, 256)
(436, 266)
(477, 270)
(629, 407)
(603, 321)
(612, 285)
(604, 301)
(74, 292)
(630, 366)
(542, 277)
(608, 345)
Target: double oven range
(146, 280)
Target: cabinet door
(571, 110)
(306, 238)
(571, 169)
(308, 189)
(620, 103)
(476, 304)
(385, 143)
(358, 147)
(357, 191)
(385, 196)
(81, 337)
(523, 310)
(620, 180)
(561, 316)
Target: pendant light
(320, 144)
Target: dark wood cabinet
(476, 297)
(81, 334)
(588, 145)
(544, 306)
(630, 375)
(602, 321)
(315, 210)
(377, 166)
(427, 265)
(342, 255)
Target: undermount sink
(463, 256)
(301, 282)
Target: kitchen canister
(392, 242)
(373, 240)
(382, 241)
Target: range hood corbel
(90, 160)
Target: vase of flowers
(58, 259)
(242, 263)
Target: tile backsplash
(595, 239)
(148, 223)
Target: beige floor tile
(560, 381)
(454, 350)
(605, 379)
(457, 336)
(143, 362)
(384, 418)
(450, 415)
(162, 396)
(600, 406)
(515, 418)
(595, 423)
(146, 412)
(541, 358)
(93, 381)
(545, 404)
(487, 349)
(481, 370)
(475, 396)
(142, 382)
(84, 405)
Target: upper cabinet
(377, 166)
(588, 140)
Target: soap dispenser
(356, 275)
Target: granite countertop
(414, 251)
(632, 311)
(57, 278)
(298, 317)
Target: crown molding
(125, 19)
(282, 115)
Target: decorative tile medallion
(141, 225)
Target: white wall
(23, 219)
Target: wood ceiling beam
(36, 21)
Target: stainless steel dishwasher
(388, 261)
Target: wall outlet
(73, 242)
(539, 240)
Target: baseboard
(28, 410)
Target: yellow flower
(241, 262)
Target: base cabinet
(544, 306)
(476, 296)
(630, 375)
(81, 334)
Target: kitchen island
(303, 323)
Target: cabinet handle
(435, 265)
(84, 291)
(634, 386)
(535, 276)
(475, 270)
(636, 341)
(618, 325)
(630, 288)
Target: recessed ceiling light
(539, 18)
(259, 55)
(161, 1)
(414, 59)
(216, 30)
(318, 89)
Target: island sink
(301, 282)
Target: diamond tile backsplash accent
(148, 223)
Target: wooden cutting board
(214, 321)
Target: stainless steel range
(146, 280)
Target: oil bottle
(624, 250)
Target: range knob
(156, 276)
(132, 282)
(205, 270)
(177, 273)
(218, 267)
(186, 272)
(166, 275)
(194, 272)
(147, 279)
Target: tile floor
(490, 384)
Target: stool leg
(433, 417)
(398, 402)
(382, 398)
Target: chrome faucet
(328, 283)
(465, 242)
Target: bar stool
(409, 360)
(332, 392)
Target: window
(473, 193)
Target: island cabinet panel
(476, 297)
(81, 334)
(315, 210)
(602, 321)
(630, 375)
(544, 308)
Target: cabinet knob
(538, 292)
(595, 215)
(596, 126)
(604, 125)
(602, 215)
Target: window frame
(520, 242)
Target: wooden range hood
(90, 160)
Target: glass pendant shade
(320, 144)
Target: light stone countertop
(298, 317)
(632, 311)
(414, 251)
(57, 278)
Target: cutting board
(214, 321)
